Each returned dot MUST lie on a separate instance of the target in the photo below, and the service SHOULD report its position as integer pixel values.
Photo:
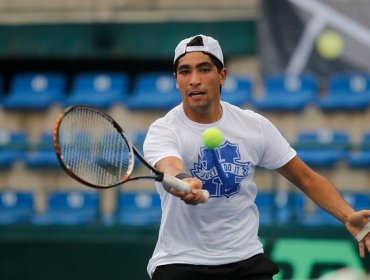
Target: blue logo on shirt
(221, 170)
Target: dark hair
(198, 41)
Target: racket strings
(93, 149)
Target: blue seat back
(323, 139)
(290, 84)
(139, 208)
(265, 203)
(349, 83)
(45, 142)
(235, 84)
(138, 201)
(365, 142)
(322, 148)
(150, 83)
(103, 82)
(16, 200)
(13, 140)
(358, 200)
(13, 146)
(38, 83)
(41, 154)
(72, 200)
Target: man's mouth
(196, 93)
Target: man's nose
(194, 79)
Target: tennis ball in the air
(212, 138)
(330, 44)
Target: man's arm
(324, 194)
(174, 166)
(317, 188)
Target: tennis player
(219, 239)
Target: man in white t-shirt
(219, 239)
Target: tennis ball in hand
(212, 138)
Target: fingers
(196, 194)
(361, 249)
(367, 242)
(365, 213)
(176, 192)
(194, 197)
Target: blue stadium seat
(265, 205)
(360, 157)
(237, 90)
(137, 138)
(287, 93)
(13, 145)
(319, 217)
(139, 208)
(310, 216)
(15, 206)
(69, 208)
(35, 91)
(282, 207)
(273, 207)
(154, 91)
(42, 154)
(322, 148)
(346, 92)
(99, 89)
(358, 200)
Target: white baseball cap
(210, 46)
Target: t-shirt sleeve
(161, 141)
(276, 150)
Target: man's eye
(205, 70)
(183, 72)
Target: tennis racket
(93, 149)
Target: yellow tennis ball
(330, 44)
(212, 138)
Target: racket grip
(181, 185)
(365, 230)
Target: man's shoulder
(241, 111)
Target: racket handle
(181, 185)
(365, 230)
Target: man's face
(199, 81)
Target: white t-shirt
(225, 228)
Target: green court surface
(117, 252)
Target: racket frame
(158, 175)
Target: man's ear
(223, 75)
(175, 77)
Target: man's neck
(204, 115)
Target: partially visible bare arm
(317, 188)
(173, 166)
(324, 194)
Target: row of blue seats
(321, 148)
(144, 208)
(157, 91)
(78, 208)
(294, 207)
(15, 146)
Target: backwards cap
(210, 46)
